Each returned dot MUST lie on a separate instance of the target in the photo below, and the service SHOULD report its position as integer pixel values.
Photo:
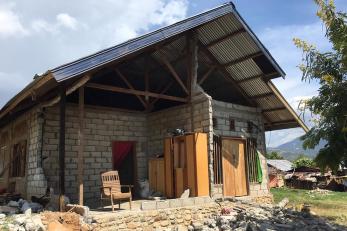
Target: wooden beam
(225, 37)
(264, 95)
(147, 86)
(274, 109)
(131, 87)
(174, 73)
(70, 90)
(262, 76)
(226, 74)
(62, 148)
(165, 89)
(286, 104)
(80, 161)
(135, 92)
(206, 75)
(239, 60)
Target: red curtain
(120, 149)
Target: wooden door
(234, 169)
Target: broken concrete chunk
(8, 210)
(185, 194)
(283, 203)
(13, 204)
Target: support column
(80, 162)
(62, 148)
(192, 69)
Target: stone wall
(223, 112)
(102, 126)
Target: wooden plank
(80, 161)
(201, 164)
(152, 165)
(240, 168)
(134, 92)
(226, 37)
(131, 87)
(168, 161)
(160, 175)
(239, 60)
(179, 181)
(62, 148)
(228, 169)
(191, 173)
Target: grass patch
(332, 206)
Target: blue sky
(37, 35)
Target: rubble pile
(252, 217)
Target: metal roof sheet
(283, 165)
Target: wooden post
(192, 72)
(62, 148)
(80, 161)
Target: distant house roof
(226, 43)
(282, 165)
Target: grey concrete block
(163, 204)
(149, 205)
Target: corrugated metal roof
(209, 26)
(111, 54)
(283, 165)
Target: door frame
(134, 160)
(244, 140)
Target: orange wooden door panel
(234, 169)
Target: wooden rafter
(239, 60)
(165, 89)
(135, 92)
(262, 76)
(225, 37)
(173, 73)
(130, 86)
(207, 74)
(274, 109)
(226, 75)
(264, 95)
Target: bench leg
(130, 202)
(112, 203)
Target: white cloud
(10, 24)
(67, 21)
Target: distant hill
(293, 149)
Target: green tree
(303, 161)
(274, 156)
(330, 105)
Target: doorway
(124, 161)
(234, 167)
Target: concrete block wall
(223, 112)
(102, 126)
(36, 180)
